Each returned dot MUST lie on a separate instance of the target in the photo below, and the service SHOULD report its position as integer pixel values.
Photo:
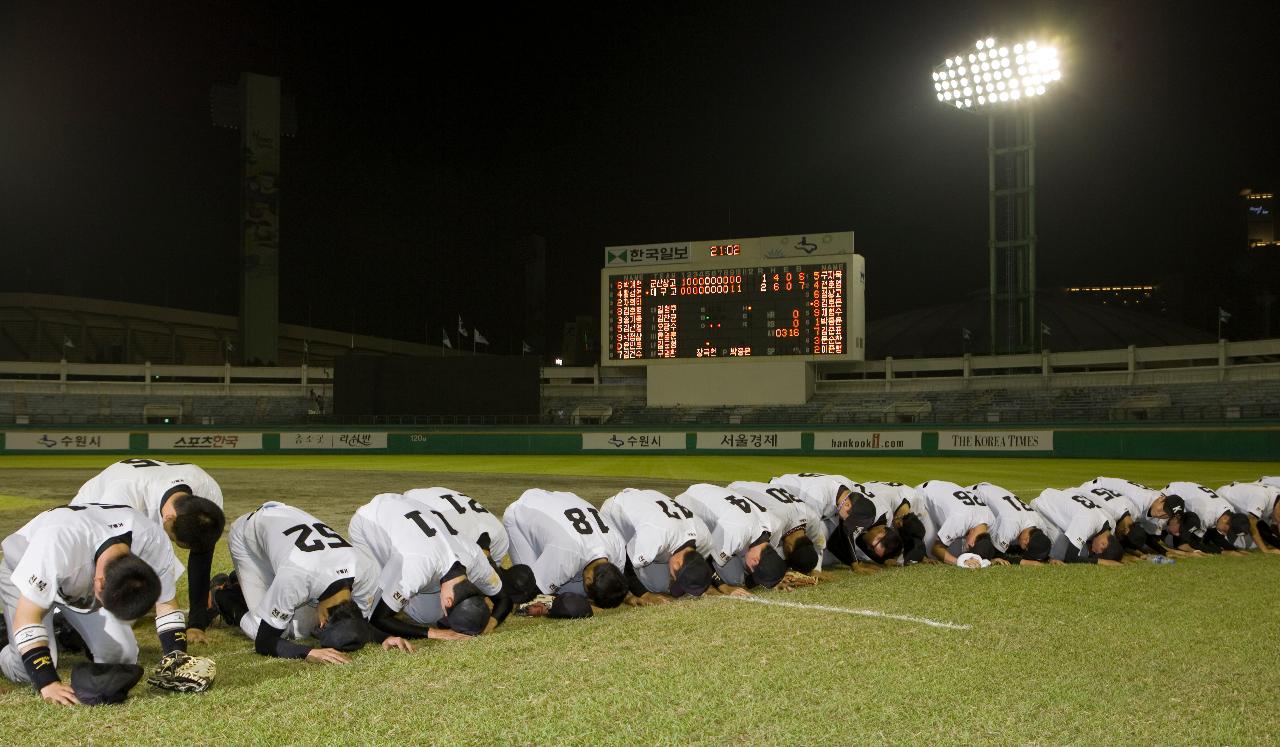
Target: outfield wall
(1127, 442)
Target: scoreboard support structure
(733, 321)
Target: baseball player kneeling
(429, 571)
(666, 545)
(300, 578)
(103, 567)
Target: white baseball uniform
(785, 513)
(286, 559)
(557, 534)
(1075, 517)
(1207, 505)
(145, 484)
(1138, 494)
(954, 511)
(654, 526)
(52, 562)
(467, 516)
(1115, 505)
(734, 522)
(1253, 498)
(415, 547)
(1012, 516)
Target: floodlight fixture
(992, 66)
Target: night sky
(429, 144)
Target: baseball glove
(180, 672)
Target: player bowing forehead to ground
(963, 524)
(1216, 525)
(1082, 531)
(569, 546)
(1019, 530)
(1153, 508)
(429, 571)
(847, 513)
(102, 567)
(1123, 515)
(666, 545)
(178, 496)
(794, 528)
(740, 550)
(473, 522)
(300, 578)
(1261, 503)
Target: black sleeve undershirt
(838, 544)
(199, 566)
(1073, 556)
(386, 621)
(633, 581)
(1268, 535)
(270, 642)
(502, 605)
(1155, 545)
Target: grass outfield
(1178, 654)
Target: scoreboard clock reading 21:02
(796, 296)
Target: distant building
(1140, 297)
(1260, 219)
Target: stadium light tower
(1003, 82)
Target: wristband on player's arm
(38, 660)
(270, 642)
(385, 620)
(199, 567)
(172, 629)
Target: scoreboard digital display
(739, 298)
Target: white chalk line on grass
(847, 611)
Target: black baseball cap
(694, 576)
(771, 568)
(1190, 521)
(519, 583)
(983, 547)
(913, 550)
(862, 514)
(1038, 545)
(570, 606)
(1239, 523)
(1174, 505)
(104, 684)
(803, 556)
(349, 634)
(468, 616)
(1136, 539)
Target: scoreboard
(794, 296)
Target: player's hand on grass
(1109, 563)
(59, 693)
(397, 643)
(824, 576)
(196, 635)
(1271, 550)
(327, 656)
(1055, 561)
(444, 634)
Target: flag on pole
(1223, 315)
(461, 329)
(67, 343)
(1044, 329)
(480, 338)
(525, 348)
(965, 334)
(445, 333)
